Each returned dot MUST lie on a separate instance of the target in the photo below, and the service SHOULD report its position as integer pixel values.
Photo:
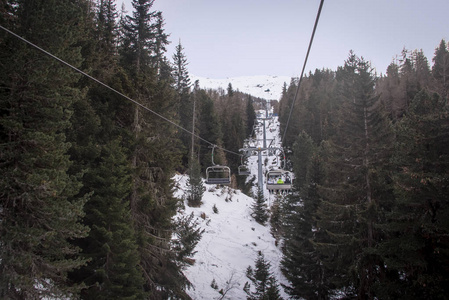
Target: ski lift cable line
(114, 90)
(303, 68)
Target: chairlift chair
(217, 174)
(279, 180)
(243, 170)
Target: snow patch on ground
(230, 242)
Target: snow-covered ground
(264, 86)
(232, 238)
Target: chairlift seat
(272, 180)
(244, 171)
(218, 175)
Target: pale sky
(229, 38)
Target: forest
(86, 175)
(86, 183)
(369, 216)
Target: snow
(267, 87)
(232, 238)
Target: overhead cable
(114, 90)
(303, 68)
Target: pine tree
(265, 284)
(416, 251)
(301, 262)
(185, 98)
(356, 191)
(113, 271)
(154, 151)
(250, 117)
(188, 234)
(195, 184)
(259, 207)
(209, 126)
(440, 69)
(284, 112)
(40, 212)
(181, 74)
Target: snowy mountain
(232, 238)
(264, 86)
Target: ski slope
(232, 238)
(264, 86)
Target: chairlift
(279, 180)
(243, 170)
(217, 174)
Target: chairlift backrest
(279, 180)
(218, 175)
(243, 170)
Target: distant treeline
(370, 215)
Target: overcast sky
(229, 38)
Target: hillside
(265, 86)
(232, 238)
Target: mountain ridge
(268, 87)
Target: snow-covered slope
(232, 238)
(229, 244)
(264, 86)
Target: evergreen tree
(303, 149)
(260, 213)
(284, 112)
(357, 190)
(182, 86)
(154, 152)
(188, 234)
(97, 140)
(113, 271)
(40, 212)
(416, 250)
(195, 184)
(265, 284)
(181, 74)
(389, 92)
(209, 126)
(302, 262)
(230, 90)
(250, 117)
(233, 123)
(440, 69)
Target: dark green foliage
(113, 271)
(188, 234)
(276, 218)
(260, 213)
(303, 149)
(372, 222)
(250, 117)
(356, 193)
(440, 69)
(185, 98)
(416, 251)
(195, 185)
(143, 38)
(265, 284)
(302, 262)
(39, 210)
(209, 126)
